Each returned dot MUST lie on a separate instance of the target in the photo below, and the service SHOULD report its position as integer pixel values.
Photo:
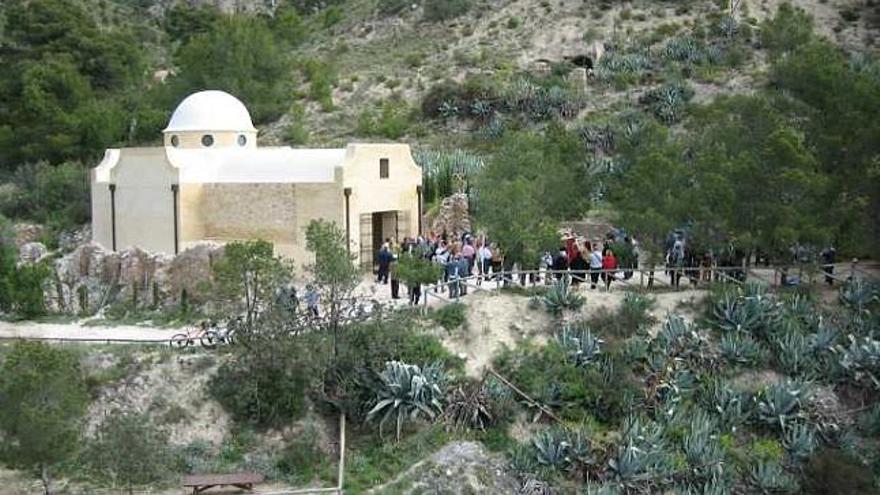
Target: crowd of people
(470, 259)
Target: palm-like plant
(405, 392)
(582, 347)
(561, 297)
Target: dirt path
(76, 330)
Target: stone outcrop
(27, 232)
(458, 467)
(453, 216)
(31, 252)
(90, 278)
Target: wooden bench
(201, 482)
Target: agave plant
(561, 297)
(799, 441)
(448, 109)
(861, 359)
(740, 348)
(859, 295)
(700, 443)
(405, 392)
(448, 172)
(582, 347)
(469, 408)
(667, 102)
(552, 450)
(731, 314)
(780, 404)
(825, 338)
(769, 477)
(683, 49)
(795, 355)
(730, 406)
(481, 109)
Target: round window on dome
(175, 141)
(242, 140)
(207, 140)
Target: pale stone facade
(210, 182)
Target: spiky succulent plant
(769, 477)
(731, 407)
(582, 347)
(405, 392)
(780, 404)
(861, 359)
(859, 295)
(799, 441)
(794, 352)
(560, 297)
(552, 450)
(740, 348)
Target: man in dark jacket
(385, 258)
(560, 263)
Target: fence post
(852, 268)
(745, 269)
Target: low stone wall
(90, 278)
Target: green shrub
(835, 471)
(450, 316)
(392, 7)
(322, 78)
(392, 121)
(442, 10)
(297, 132)
(302, 458)
(55, 195)
(363, 352)
(25, 283)
(789, 29)
(265, 389)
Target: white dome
(210, 111)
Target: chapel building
(211, 182)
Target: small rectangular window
(383, 168)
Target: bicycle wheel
(179, 341)
(209, 340)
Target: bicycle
(204, 333)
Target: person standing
(395, 282)
(312, 298)
(484, 258)
(560, 263)
(464, 273)
(469, 254)
(609, 266)
(451, 271)
(829, 256)
(579, 267)
(385, 257)
(595, 265)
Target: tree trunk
(44, 477)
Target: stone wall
(452, 217)
(91, 278)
